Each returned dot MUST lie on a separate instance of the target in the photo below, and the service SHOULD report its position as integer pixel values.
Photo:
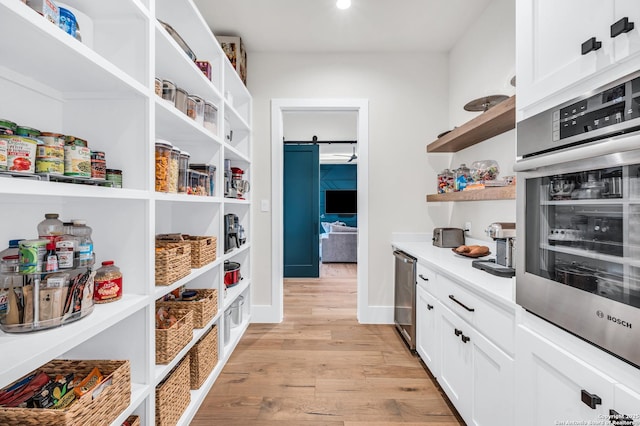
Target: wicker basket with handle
(171, 340)
(203, 250)
(173, 395)
(173, 261)
(204, 307)
(204, 357)
(133, 420)
(102, 410)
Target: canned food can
(27, 131)
(21, 153)
(3, 154)
(7, 127)
(115, 176)
(50, 151)
(31, 255)
(50, 166)
(77, 161)
(98, 165)
(52, 139)
(72, 140)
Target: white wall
(482, 63)
(407, 96)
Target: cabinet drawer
(426, 278)
(497, 324)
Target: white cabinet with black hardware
(427, 327)
(559, 44)
(555, 385)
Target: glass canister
(107, 283)
(211, 118)
(158, 86)
(446, 181)
(163, 159)
(174, 169)
(181, 100)
(195, 108)
(210, 171)
(462, 177)
(169, 91)
(183, 176)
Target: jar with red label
(107, 283)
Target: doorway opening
(358, 108)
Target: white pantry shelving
(104, 93)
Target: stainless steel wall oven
(578, 202)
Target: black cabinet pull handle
(465, 339)
(591, 45)
(622, 26)
(457, 332)
(423, 277)
(429, 307)
(617, 419)
(590, 399)
(452, 297)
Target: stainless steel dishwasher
(404, 315)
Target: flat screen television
(341, 201)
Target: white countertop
(443, 261)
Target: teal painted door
(301, 211)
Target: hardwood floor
(320, 367)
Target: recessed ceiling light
(343, 4)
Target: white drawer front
(426, 278)
(495, 323)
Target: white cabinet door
(553, 386)
(628, 42)
(456, 361)
(626, 407)
(427, 344)
(549, 44)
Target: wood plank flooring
(320, 367)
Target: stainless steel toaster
(448, 237)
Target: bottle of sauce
(66, 247)
(85, 245)
(51, 258)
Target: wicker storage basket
(203, 250)
(171, 340)
(172, 262)
(173, 395)
(103, 410)
(203, 309)
(204, 357)
(134, 420)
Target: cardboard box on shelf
(234, 49)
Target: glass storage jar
(210, 171)
(181, 100)
(446, 181)
(183, 177)
(196, 109)
(163, 160)
(462, 177)
(169, 91)
(174, 168)
(211, 118)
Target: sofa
(339, 243)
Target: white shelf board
(172, 63)
(72, 68)
(232, 293)
(236, 201)
(162, 290)
(236, 335)
(139, 393)
(198, 395)
(233, 153)
(236, 251)
(31, 350)
(596, 202)
(185, 198)
(161, 370)
(585, 253)
(110, 9)
(234, 117)
(34, 188)
(175, 126)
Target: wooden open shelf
(493, 122)
(490, 193)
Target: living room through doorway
(324, 242)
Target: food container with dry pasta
(107, 283)
(174, 166)
(183, 176)
(163, 160)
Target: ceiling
(318, 26)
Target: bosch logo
(600, 314)
(613, 319)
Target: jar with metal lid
(174, 168)
(115, 177)
(446, 181)
(7, 127)
(191, 108)
(181, 100)
(197, 111)
(183, 176)
(462, 177)
(210, 120)
(107, 283)
(169, 91)
(210, 171)
(98, 165)
(163, 160)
